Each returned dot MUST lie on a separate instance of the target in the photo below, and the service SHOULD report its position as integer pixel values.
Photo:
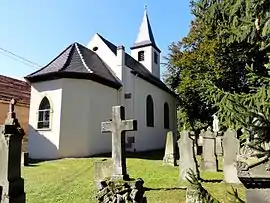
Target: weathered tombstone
(209, 159)
(219, 147)
(253, 170)
(118, 126)
(186, 152)
(3, 169)
(169, 156)
(13, 134)
(200, 142)
(231, 149)
(102, 171)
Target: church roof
(137, 68)
(76, 61)
(145, 36)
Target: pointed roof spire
(145, 36)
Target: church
(76, 91)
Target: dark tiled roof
(16, 89)
(137, 68)
(76, 61)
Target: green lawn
(71, 180)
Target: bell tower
(145, 49)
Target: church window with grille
(149, 111)
(44, 112)
(141, 56)
(166, 116)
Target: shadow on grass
(211, 180)
(174, 188)
(150, 155)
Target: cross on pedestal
(118, 126)
(12, 108)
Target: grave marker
(118, 126)
(209, 159)
(231, 149)
(169, 156)
(186, 151)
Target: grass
(72, 180)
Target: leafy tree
(216, 51)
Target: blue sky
(40, 29)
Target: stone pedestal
(254, 173)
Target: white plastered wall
(85, 105)
(44, 144)
(148, 138)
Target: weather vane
(145, 7)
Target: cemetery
(215, 146)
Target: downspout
(134, 109)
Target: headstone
(3, 169)
(231, 149)
(13, 134)
(253, 170)
(186, 152)
(102, 171)
(200, 142)
(169, 156)
(118, 126)
(209, 159)
(219, 147)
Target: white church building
(76, 91)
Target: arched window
(149, 111)
(166, 116)
(44, 114)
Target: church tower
(145, 49)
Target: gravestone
(3, 169)
(118, 126)
(253, 170)
(13, 135)
(219, 146)
(186, 153)
(200, 142)
(103, 170)
(231, 149)
(209, 159)
(169, 156)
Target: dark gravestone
(253, 170)
(186, 151)
(209, 159)
(231, 149)
(13, 134)
(118, 126)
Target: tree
(212, 53)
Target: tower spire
(145, 35)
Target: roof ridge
(81, 57)
(51, 60)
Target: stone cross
(186, 153)
(209, 159)
(231, 150)
(13, 134)
(118, 126)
